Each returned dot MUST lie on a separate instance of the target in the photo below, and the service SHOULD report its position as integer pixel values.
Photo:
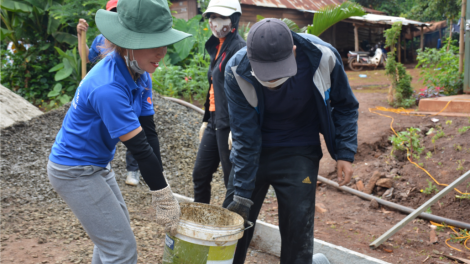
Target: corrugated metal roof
(382, 19)
(311, 5)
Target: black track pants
(292, 171)
(213, 150)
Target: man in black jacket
(214, 133)
(283, 90)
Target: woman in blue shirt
(114, 103)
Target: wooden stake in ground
(82, 43)
(462, 33)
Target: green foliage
(431, 10)
(463, 129)
(438, 135)
(67, 76)
(330, 15)
(243, 30)
(401, 80)
(430, 189)
(179, 53)
(391, 7)
(460, 165)
(428, 155)
(26, 72)
(410, 139)
(457, 147)
(45, 27)
(448, 122)
(190, 82)
(461, 237)
(440, 68)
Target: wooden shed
(184, 9)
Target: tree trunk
(422, 39)
(450, 35)
(462, 33)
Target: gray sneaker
(133, 178)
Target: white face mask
(133, 64)
(220, 27)
(271, 85)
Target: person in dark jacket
(283, 90)
(214, 133)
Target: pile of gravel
(26, 147)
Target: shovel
(82, 43)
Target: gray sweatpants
(94, 197)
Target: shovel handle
(82, 43)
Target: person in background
(114, 103)
(93, 55)
(214, 148)
(283, 90)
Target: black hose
(434, 218)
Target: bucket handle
(248, 222)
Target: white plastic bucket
(206, 234)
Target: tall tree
(435, 10)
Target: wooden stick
(82, 43)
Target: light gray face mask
(271, 85)
(133, 64)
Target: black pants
(292, 171)
(212, 151)
(131, 163)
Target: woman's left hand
(168, 209)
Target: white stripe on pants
(94, 197)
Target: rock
(371, 184)
(320, 208)
(374, 204)
(42, 240)
(385, 182)
(360, 185)
(388, 194)
(432, 234)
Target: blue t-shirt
(106, 105)
(96, 49)
(290, 116)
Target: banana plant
(330, 15)
(24, 22)
(69, 69)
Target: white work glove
(230, 140)
(201, 130)
(168, 209)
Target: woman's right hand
(168, 209)
(81, 26)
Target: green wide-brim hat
(139, 24)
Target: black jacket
(233, 43)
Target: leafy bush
(45, 27)
(440, 68)
(402, 93)
(430, 92)
(190, 82)
(410, 139)
(181, 53)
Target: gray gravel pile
(32, 210)
(26, 147)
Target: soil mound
(14, 108)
